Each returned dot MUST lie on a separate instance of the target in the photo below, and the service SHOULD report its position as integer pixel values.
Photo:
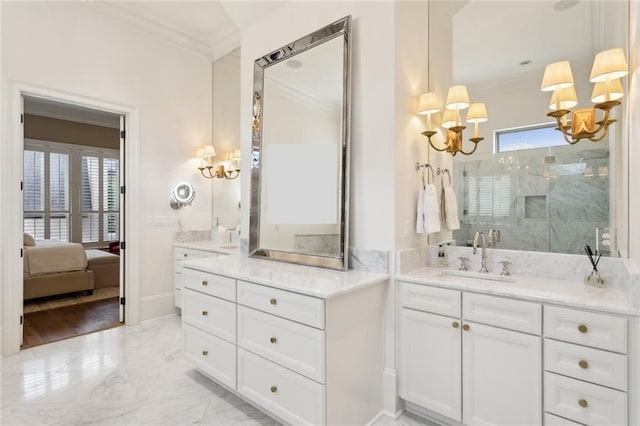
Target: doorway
(72, 203)
(11, 214)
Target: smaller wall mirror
(183, 195)
(300, 142)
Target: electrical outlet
(605, 240)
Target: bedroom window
(46, 195)
(71, 193)
(100, 199)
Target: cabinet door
(502, 381)
(430, 361)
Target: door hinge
(21, 186)
(122, 134)
(21, 252)
(122, 190)
(123, 245)
(22, 118)
(20, 319)
(123, 301)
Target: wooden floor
(69, 321)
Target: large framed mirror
(300, 150)
(524, 180)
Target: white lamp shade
(599, 93)
(236, 154)
(428, 104)
(209, 151)
(477, 113)
(457, 98)
(566, 97)
(609, 64)
(557, 76)
(449, 118)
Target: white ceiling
(209, 27)
(491, 38)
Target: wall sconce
(228, 170)
(457, 100)
(608, 67)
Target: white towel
(420, 212)
(431, 210)
(451, 209)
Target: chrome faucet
(479, 238)
(493, 237)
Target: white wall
(372, 181)
(80, 48)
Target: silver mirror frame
(341, 27)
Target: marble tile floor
(132, 375)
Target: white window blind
(111, 198)
(487, 196)
(46, 194)
(33, 194)
(71, 193)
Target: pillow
(28, 240)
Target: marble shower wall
(539, 199)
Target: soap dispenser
(442, 257)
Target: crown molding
(224, 40)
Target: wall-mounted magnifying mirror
(183, 195)
(300, 142)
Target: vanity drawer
(584, 402)
(586, 328)
(213, 356)
(430, 299)
(290, 396)
(290, 344)
(213, 315)
(593, 365)
(214, 285)
(180, 254)
(506, 313)
(553, 420)
(297, 307)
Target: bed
(52, 267)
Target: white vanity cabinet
(586, 361)
(181, 254)
(302, 359)
(472, 358)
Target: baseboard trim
(157, 306)
(430, 415)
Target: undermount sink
(477, 276)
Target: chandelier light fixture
(457, 101)
(609, 67)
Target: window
(57, 176)
(100, 199)
(46, 194)
(487, 197)
(540, 136)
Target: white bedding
(51, 256)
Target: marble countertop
(210, 246)
(618, 300)
(317, 282)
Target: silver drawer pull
(205, 313)
(583, 403)
(273, 340)
(274, 389)
(273, 301)
(205, 352)
(205, 283)
(582, 328)
(583, 364)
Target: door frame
(11, 152)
